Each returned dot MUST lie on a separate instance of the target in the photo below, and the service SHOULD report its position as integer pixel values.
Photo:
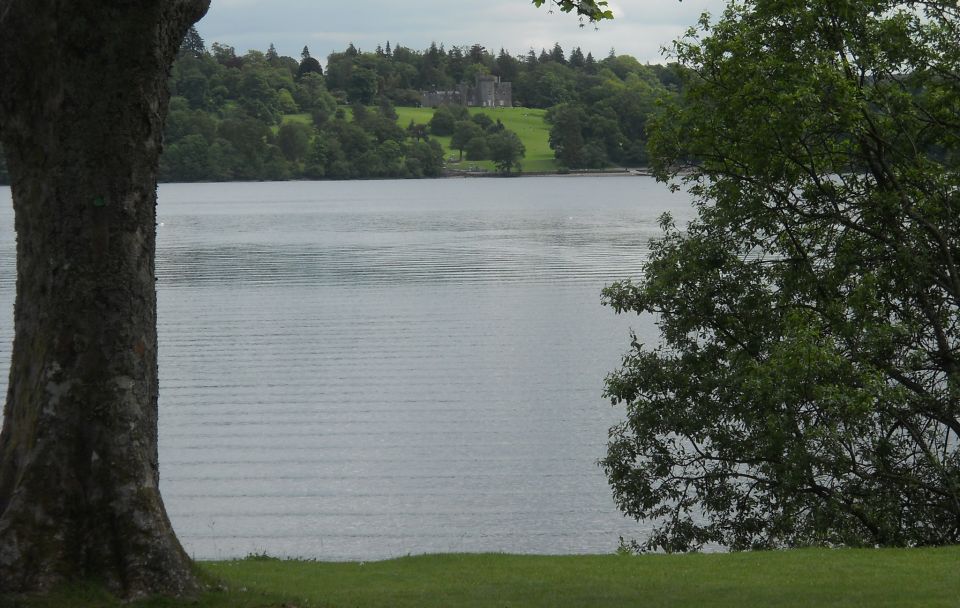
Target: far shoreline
(636, 172)
(620, 172)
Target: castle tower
(487, 91)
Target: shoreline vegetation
(456, 174)
(264, 117)
(609, 172)
(875, 578)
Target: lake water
(360, 370)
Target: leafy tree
(322, 152)
(192, 44)
(477, 54)
(390, 154)
(222, 157)
(590, 64)
(181, 122)
(484, 121)
(369, 164)
(530, 59)
(275, 166)
(286, 66)
(362, 87)
(623, 65)
(385, 129)
(477, 148)
(286, 103)
(806, 390)
(594, 155)
(566, 135)
(258, 98)
(442, 122)
(424, 159)
(417, 131)
(463, 132)
(594, 10)
(225, 55)
(309, 65)
(456, 63)
(249, 137)
(556, 54)
(577, 59)
(311, 95)
(195, 87)
(293, 139)
(602, 126)
(354, 143)
(548, 84)
(473, 70)
(186, 160)
(386, 109)
(360, 114)
(506, 150)
(507, 67)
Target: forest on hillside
(266, 116)
(263, 116)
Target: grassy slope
(301, 118)
(528, 123)
(290, 118)
(809, 578)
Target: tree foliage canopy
(594, 10)
(213, 92)
(807, 386)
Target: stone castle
(488, 92)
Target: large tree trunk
(82, 100)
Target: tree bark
(82, 104)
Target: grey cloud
(641, 28)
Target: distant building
(488, 92)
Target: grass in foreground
(809, 578)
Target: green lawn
(528, 124)
(926, 578)
(301, 118)
(290, 118)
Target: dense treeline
(226, 123)
(226, 119)
(600, 108)
(539, 81)
(263, 116)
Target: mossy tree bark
(82, 106)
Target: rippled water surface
(357, 370)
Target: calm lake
(360, 370)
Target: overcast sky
(641, 27)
